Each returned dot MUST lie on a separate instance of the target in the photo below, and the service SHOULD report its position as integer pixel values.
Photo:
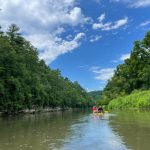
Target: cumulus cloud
(109, 25)
(53, 46)
(42, 22)
(95, 38)
(124, 57)
(134, 3)
(103, 74)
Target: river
(76, 130)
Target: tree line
(133, 74)
(95, 95)
(27, 82)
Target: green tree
(27, 82)
(133, 74)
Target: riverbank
(136, 100)
(33, 111)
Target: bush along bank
(138, 99)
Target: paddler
(100, 109)
(94, 109)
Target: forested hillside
(95, 95)
(27, 82)
(133, 74)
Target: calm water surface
(76, 130)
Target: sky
(84, 39)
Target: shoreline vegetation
(27, 82)
(34, 111)
(130, 85)
(136, 100)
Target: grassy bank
(138, 99)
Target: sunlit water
(76, 130)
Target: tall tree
(134, 74)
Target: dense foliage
(133, 74)
(135, 100)
(95, 95)
(27, 82)
(97, 98)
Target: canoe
(99, 114)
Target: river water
(76, 130)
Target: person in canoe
(94, 109)
(100, 110)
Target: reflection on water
(76, 130)
(93, 132)
(36, 132)
(133, 127)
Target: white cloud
(140, 3)
(120, 23)
(124, 57)
(101, 17)
(54, 46)
(95, 38)
(43, 23)
(134, 3)
(103, 74)
(145, 23)
(109, 25)
(79, 36)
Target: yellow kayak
(99, 113)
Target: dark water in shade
(76, 130)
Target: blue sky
(85, 39)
